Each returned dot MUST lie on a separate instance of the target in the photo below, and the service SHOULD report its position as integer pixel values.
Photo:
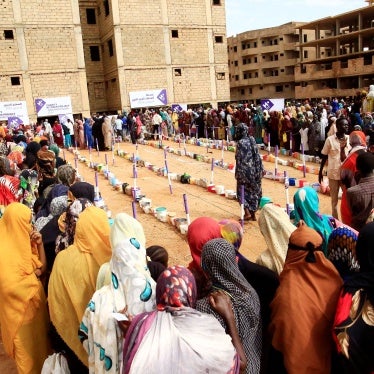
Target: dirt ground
(200, 201)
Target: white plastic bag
(55, 364)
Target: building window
(174, 33)
(218, 39)
(106, 7)
(261, 88)
(256, 74)
(276, 58)
(244, 62)
(110, 47)
(235, 49)
(94, 53)
(255, 44)
(15, 81)
(220, 76)
(242, 91)
(236, 77)
(243, 46)
(113, 80)
(236, 63)
(8, 35)
(177, 72)
(250, 91)
(278, 88)
(245, 76)
(216, 2)
(282, 54)
(280, 38)
(255, 59)
(305, 38)
(275, 41)
(91, 16)
(282, 70)
(305, 54)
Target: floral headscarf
(176, 288)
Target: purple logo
(266, 104)
(39, 104)
(162, 97)
(14, 123)
(176, 107)
(62, 118)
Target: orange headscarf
(18, 283)
(304, 305)
(73, 278)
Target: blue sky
(244, 15)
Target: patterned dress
(249, 168)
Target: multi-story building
(150, 45)
(342, 59)
(41, 53)
(262, 63)
(99, 52)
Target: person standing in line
(335, 151)
(249, 171)
(360, 198)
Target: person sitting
(174, 339)
(303, 308)
(354, 317)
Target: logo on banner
(266, 104)
(162, 97)
(39, 104)
(176, 107)
(14, 123)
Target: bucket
(136, 193)
(292, 181)
(264, 200)
(220, 190)
(161, 213)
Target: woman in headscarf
(23, 311)
(56, 150)
(67, 223)
(124, 227)
(304, 306)
(306, 204)
(263, 280)
(82, 190)
(131, 288)
(66, 175)
(354, 318)
(348, 170)
(9, 185)
(73, 280)
(341, 251)
(58, 134)
(56, 191)
(57, 207)
(31, 155)
(28, 187)
(218, 259)
(276, 228)
(173, 338)
(200, 231)
(45, 164)
(248, 171)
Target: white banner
(14, 109)
(142, 99)
(272, 105)
(53, 106)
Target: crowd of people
(74, 284)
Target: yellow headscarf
(18, 283)
(73, 278)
